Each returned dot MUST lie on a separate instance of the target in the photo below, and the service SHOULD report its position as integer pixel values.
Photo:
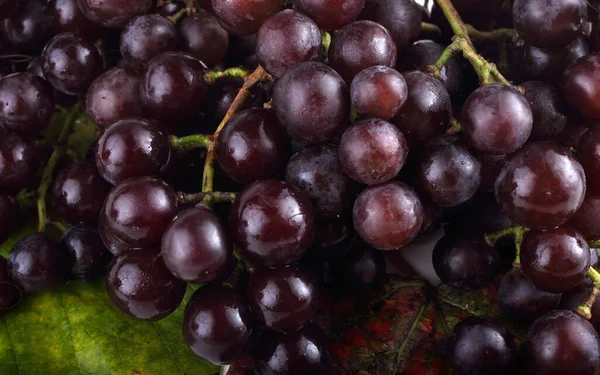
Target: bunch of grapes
(266, 151)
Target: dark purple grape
(203, 38)
(540, 186)
(360, 45)
(312, 102)
(70, 18)
(145, 37)
(363, 269)
(588, 153)
(89, 258)
(26, 103)
(465, 262)
(140, 286)
(196, 247)
(555, 261)
(132, 147)
(388, 216)
(9, 217)
(283, 299)
(136, 213)
(32, 26)
(578, 87)
(10, 293)
(273, 223)
(70, 63)
(316, 170)
(252, 146)
(563, 343)
(427, 110)
(423, 53)
(549, 23)
(333, 238)
(372, 151)
(112, 96)
(217, 324)
(113, 13)
(330, 14)
(276, 353)
(576, 126)
(173, 85)
(79, 192)
(490, 167)
(18, 163)
(586, 220)
(37, 263)
(520, 300)
(447, 173)
(496, 119)
(378, 91)
(242, 17)
(402, 18)
(578, 296)
(8, 8)
(548, 109)
(480, 345)
(286, 39)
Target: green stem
(212, 76)
(325, 42)
(58, 225)
(447, 54)
(430, 28)
(190, 142)
(210, 197)
(594, 275)
(497, 34)
(48, 171)
(455, 126)
(179, 15)
(594, 244)
(517, 232)
(585, 309)
(25, 197)
(458, 26)
(482, 67)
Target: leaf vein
(62, 304)
(168, 348)
(11, 345)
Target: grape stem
(250, 80)
(209, 197)
(517, 232)
(59, 149)
(430, 28)
(212, 76)
(58, 225)
(190, 142)
(497, 34)
(594, 244)
(585, 309)
(455, 127)
(182, 13)
(325, 42)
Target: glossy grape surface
(331, 14)
(548, 108)
(588, 154)
(402, 18)
(18, 163)
(333, 239)
(240, 17)
(586, 220)
(31, 26)
(378, 91)
(203, 38)
(88, 256)
(576, 85)
(70, 18)
(113, 13)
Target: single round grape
(113, 13)
(447, 173)
(549, 23)
(10, 294)
(378, 91)
(203, 37)
(555, 261)
(243, 17)
(273, 223)
(540, 186)
(563, 343)
(360, 45)
(577, 296)
(427, 110)
(8, 8)
(316, 170)
(522, 301)
(88, 256)
(112, 96)
(18, 163)
(70, 18)
(283, 299)
(496, 119)
(132, 147)
(140, 286)
(173, 85)
(217, 324)
(548, 109)
(372, 151)
(32, 26)
(79, 192)
(402, 18)
(9, 216)
(423, 53)
(286, 39)
(388, 216)
(302, 352)
(588, 153)
(333, 238)
(465, 262)
(252, 146)
(363, 269)
(26, 103)
(311, 102)
(196, 247)
(136, 213)
(577, 87)
(330, 14)
(70, 63)
(37, 263)
(480, 345)
(145, 37)
(586, 220)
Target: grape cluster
(268, 151)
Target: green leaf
(75, 330)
